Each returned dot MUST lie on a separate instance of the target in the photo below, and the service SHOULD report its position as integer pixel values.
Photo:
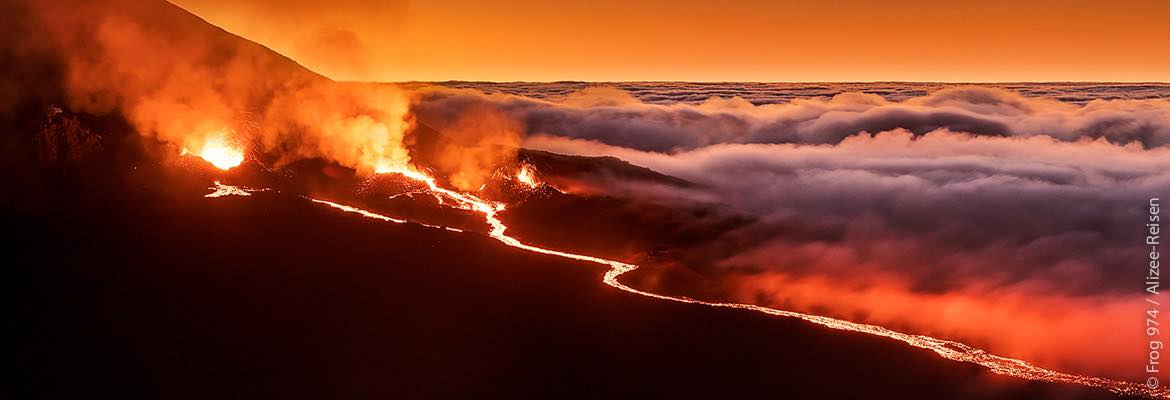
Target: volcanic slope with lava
(130, 282)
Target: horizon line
(719, 81)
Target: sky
(607, 40)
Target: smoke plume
(188, 84)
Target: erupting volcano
(489, 210)
(497, 229)
(199, 215)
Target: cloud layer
(975, 213)
(617, 118)
(761, 93)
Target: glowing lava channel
(944, 348)
(221, 190)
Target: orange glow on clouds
(610, 40)
(1016, 322)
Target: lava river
(944, 348)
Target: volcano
(130, 283)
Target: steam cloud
(190, 84)
(187, 83)
(973, 213)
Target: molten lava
(527, 176)
(944, 348)
(220, 152)
(221, 190)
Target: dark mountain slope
(148, 290)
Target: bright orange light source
(527, 176)
(221, 153)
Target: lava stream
(944, 348)
(229, 190)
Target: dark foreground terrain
(142, 288)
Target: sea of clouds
(1008, 216)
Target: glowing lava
(220, 152)
(944, 348)
(527, 176)
(221, 190)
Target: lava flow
(944, 348)
(222, 190)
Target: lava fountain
(220, 152)
(527, 176)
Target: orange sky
(606, 40)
